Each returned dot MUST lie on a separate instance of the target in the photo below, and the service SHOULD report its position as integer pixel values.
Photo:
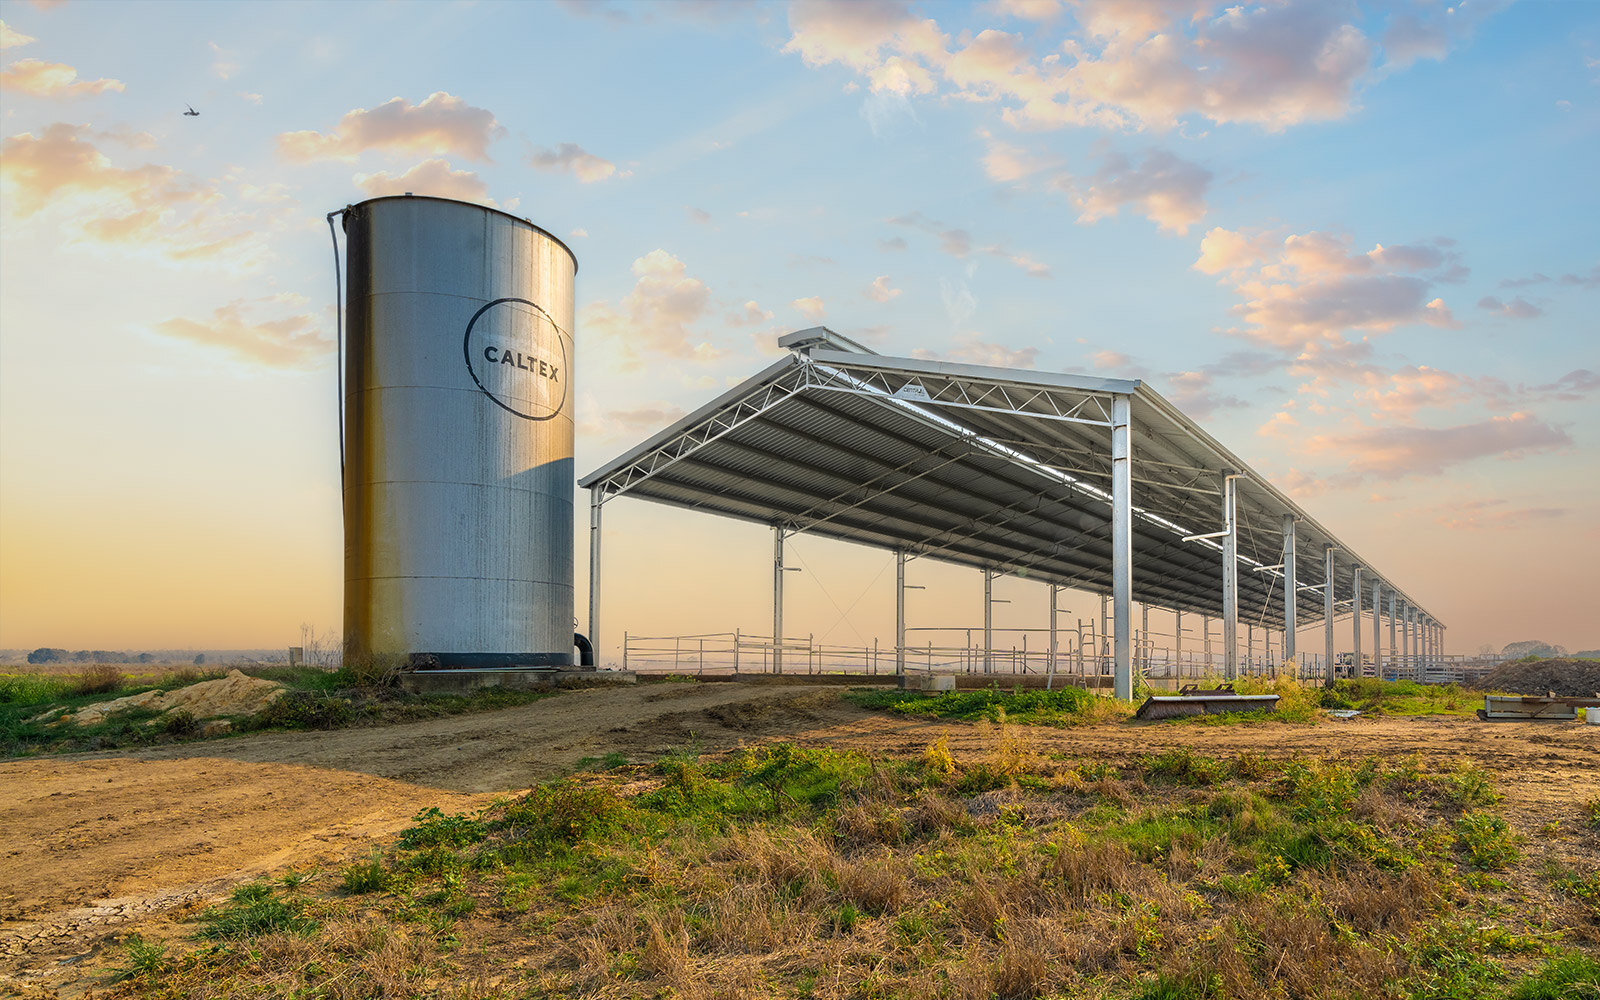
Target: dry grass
(806, 874)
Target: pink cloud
(655, 319)
(442, 125)
(37, 78)
(430, 177)
(292, 342)
(1168, 191)
(1394, 452)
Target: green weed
(252, 911)
(366, 876)
(1487, 840)
(1567, 977)
(144, 959)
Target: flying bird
(191, 113)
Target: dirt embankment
(1566, 678)
(94, 843)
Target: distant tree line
(48, 654)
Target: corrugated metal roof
(988, 467)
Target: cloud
(656, 317)
(1008, 164)
(579, 232)
(1311, 288)
(634, 421)
(223, 66)
(1588, 280)
(1043, 11)
(1196, 394)
(291, 342)
(245, 95)
(698, 215)
(748, 314)
(37, 78)
(971, 348)
(61, 175)
(571, 158)
(430, 177)
(1168, 191)
(11, 38)
(894, 244)
(880, 290)
(1400, 394)
(1490, 515)
(442, 125)
(959, 243)
(811, 307)
(1396, 452)
(1121, 65)
(1517, 308)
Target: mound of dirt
(234, 694)
(1568, 678)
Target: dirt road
(91, 842)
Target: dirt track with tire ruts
(91, 844)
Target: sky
(1357, 242)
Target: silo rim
(472, 204)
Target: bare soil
(92, 845)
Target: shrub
(180, 722)
(366, 876)
(144, 959)
(253, 911)
(435, 828)
(1488, 841)
(102, 678)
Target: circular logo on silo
(516, 355)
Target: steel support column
(1291, 589)
(1177, 644)
(1327, 615)
(1355, 614)
(777, 599)
(988, 620)
(1405, 641)
(900, 614)
(1054, 644)
(1394, 628)
(596, 497)
(1230, 577)
(1377, 628)
(1122, 541)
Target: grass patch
(792, 871)
(31, 705)
(1061, 707)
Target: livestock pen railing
(941, 650)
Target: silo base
(535, 679)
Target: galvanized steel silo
(458, 436)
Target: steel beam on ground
(1291, 589)
(1230, 577)
(1122, 540)
(596, 499)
